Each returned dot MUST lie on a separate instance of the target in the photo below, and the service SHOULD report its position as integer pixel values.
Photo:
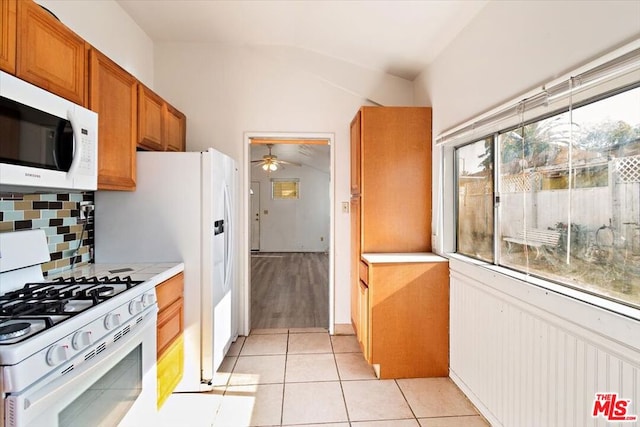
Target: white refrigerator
(183, 209)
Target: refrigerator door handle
(227, 239)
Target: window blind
(615, 70)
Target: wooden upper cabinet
(355, 153)
(49, 54)
(113, 95)
(151, 113)
(8, 35)
(175, 129)
(161, 127)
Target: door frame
(251, 219)
(245, 217)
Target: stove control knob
(148, 299)
(135, 307)
(57, 354)
(81, 340)
(112, 320)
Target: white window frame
(502, 118)
(276, 181)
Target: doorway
(289, 268)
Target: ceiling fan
(270, 162)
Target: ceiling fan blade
(289, 163)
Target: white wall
(227, 91)
(525, 356)
(105, 25)
(294, 225)
(514, 46)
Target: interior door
(255, 215)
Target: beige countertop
(154, 272)
(388, 258)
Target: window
(285, 189)
(556, 195)
(474, 171)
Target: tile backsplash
(59, 215)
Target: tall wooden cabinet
(391, 213)
(113, 95)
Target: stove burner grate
(103, 291)
(44, 304)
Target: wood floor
(289, 290)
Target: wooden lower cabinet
(363, 320)
(170, 341)
(404, 318)
(170, 369)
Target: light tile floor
(295, 377)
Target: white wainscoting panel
(527, 356)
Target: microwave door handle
(56, 147)
(77, 146)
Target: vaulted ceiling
(398, 37)
(308, 153)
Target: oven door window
(109, 398)
(34, 138)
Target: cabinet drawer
(364, 272)
(170, 325)
(169, 291)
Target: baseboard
(484, 411)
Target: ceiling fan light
(273, 167)
(265, 166)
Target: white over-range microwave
(46, 142)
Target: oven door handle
(22, 409)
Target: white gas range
(78, 348)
